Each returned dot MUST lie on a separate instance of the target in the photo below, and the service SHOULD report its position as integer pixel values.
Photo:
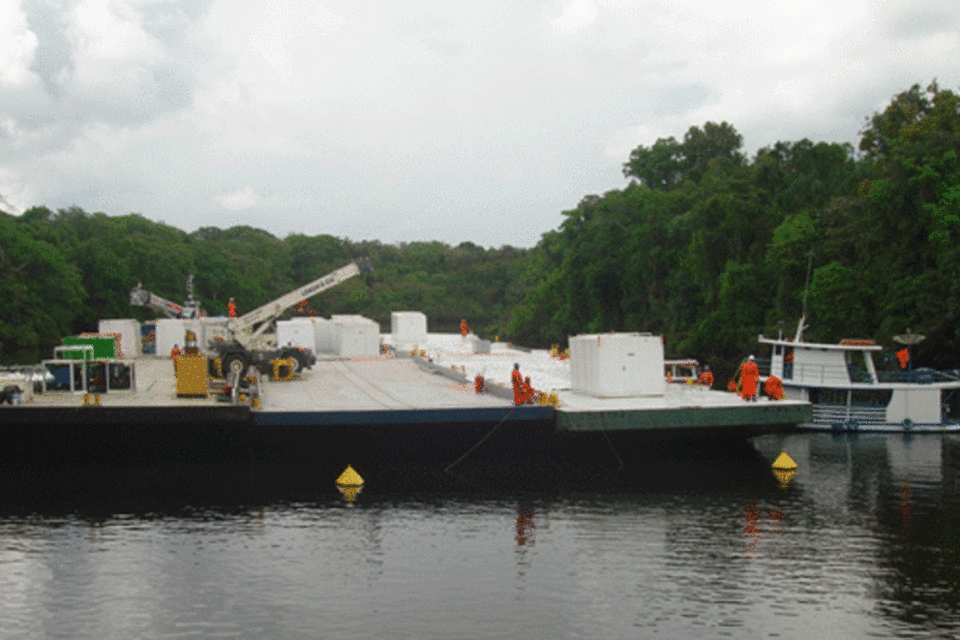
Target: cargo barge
(415, 409)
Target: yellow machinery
(192, 375)
(283, 368)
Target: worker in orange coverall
(231, 309)
(774, 388)
(904, 357)
(749, 375)
(706, 378)
(528, 391)
(463, 327)
(517, 380)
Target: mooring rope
(481, 441)
(612, 449)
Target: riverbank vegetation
(706, 245)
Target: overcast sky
(403, 120)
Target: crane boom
(140, 297)
(249, 329)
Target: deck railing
(834, 375)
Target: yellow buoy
(784, 462)
(784, 476)
(349, 478)
(349, 493)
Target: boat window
(832, 396)
(880, 397)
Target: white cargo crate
(408, 326)
(617, 365)
(129, 331)
(356, 337)
(296, 333)
(324, 336)
(170, 332)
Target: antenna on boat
(806, 291)
(806, 288)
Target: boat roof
(852, 345)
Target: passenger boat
(849, 393)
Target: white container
(408, 326)
(356, 337)
(323, 336)
(208, 329)
(129, 331)
(170, 332)
(476, 345)
(296, 333)
(617, 365)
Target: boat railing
(922, 375)
(808, 373)
(814, 374)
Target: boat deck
(404, 390)
(155, 386)
(372, 384)
(384, 391)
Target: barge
(383, 412)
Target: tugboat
(848, 392)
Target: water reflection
(701, 542)
(525, 536)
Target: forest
(704, 245)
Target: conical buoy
(784, 462)
(349, 478)
(784, 476)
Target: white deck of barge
(680, 405)
(339, 385)
(372, 384)
(399, 383)
(155, 387)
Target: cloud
(578, 15)
(17, 46)
(402, 120)
(244, 198)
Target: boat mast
(806, 291)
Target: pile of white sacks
(472, 356)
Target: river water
(861, 543)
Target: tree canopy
(704, 245)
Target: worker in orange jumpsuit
(174, 354)
(463, 327)
(706, 378)
(904, 357)
(774, 387)
(749, 375)
(528, 391)
(517, 381)
(232, 309)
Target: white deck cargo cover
(356, 337)
(324, 336)
(617, 365)
(207, 329)
(129, 330)
(298, 332)
(408, 326)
